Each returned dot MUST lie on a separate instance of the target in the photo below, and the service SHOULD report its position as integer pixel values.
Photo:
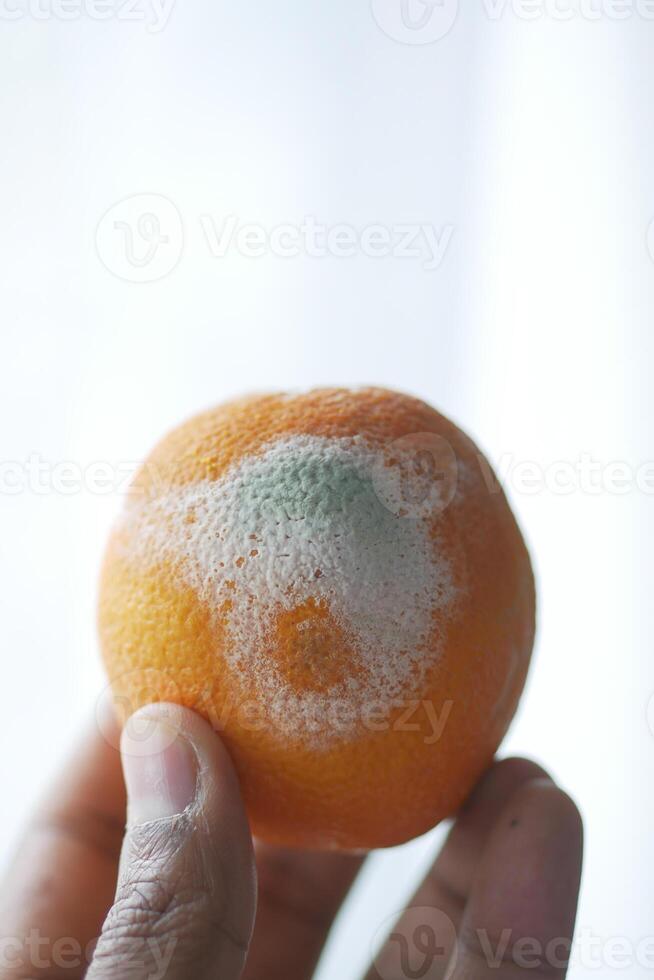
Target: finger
(439, 902)
(62, 880)
(299, 895)
(185, 900)
(520, 916)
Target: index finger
(521, 912)
(61, 882)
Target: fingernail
(160, 767)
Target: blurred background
(205, 198)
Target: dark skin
(185, 901)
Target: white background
(529, 138)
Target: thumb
(186, 890)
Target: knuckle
(168, 900)
(152, 906)
(154, 920)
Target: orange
(335, 580)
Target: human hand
(173, 896)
